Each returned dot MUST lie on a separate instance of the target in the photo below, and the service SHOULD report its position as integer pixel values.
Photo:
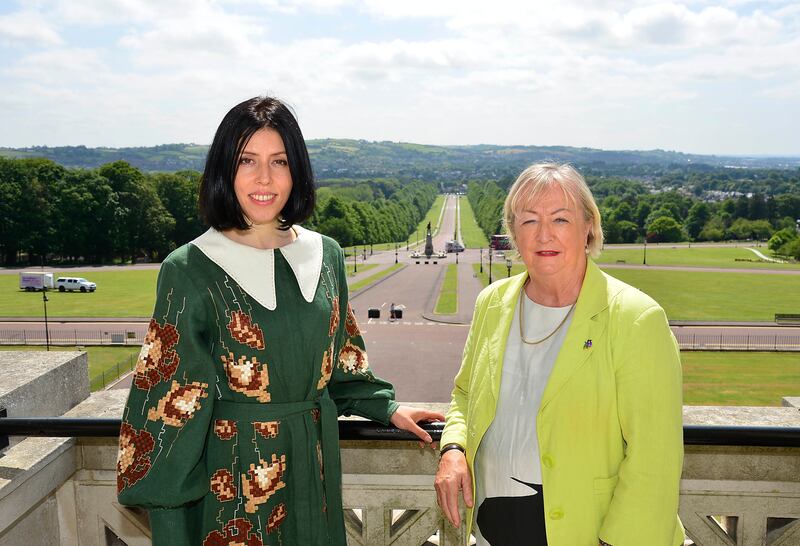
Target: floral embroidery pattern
(262, 481)
(223, 485)
(276, 517)
(235, 533)
(179, 404)
(157, 360)
(326, 368)
(244, 331)
(133, 457)
(249, 377)
(334, 325)
(267, 429)
(353, 359)
(321, 465)
(350, 324)
(225, 429)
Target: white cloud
(581, 72)
(27, 28)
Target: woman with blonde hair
(565, 426)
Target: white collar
(254, 268)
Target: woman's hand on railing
(453, 476)
(406, 418)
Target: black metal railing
(711, 435)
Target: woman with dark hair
(230, 432)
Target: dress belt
(249, 412)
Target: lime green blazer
(610, 423)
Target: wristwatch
(449, 447)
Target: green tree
(697, 218)
(664, 229)
(178, 193)
(780, 238)
(141, 223)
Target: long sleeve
(353, 386)
(169, 408)
(644, 507)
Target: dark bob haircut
(219, 207)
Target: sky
(693, 76)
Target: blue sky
(693, 76)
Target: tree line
(632, 213)
(117, 213)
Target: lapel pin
(587, 344)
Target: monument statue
(428, 242)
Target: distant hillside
(340, 158)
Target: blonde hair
(540, 177)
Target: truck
(75, 283)
(31, 281)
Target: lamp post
(395, 253)
(508, 266)
(44, 302)
(456, 257)
(370, 248)
(407, 238)
(355, 260)
(644, 255)
(481, 260)
(490, 267)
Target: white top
(254, 268)
(510, 448)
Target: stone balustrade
(62, 491)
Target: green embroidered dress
(230, 434)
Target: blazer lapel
(501, 311)
(585, 332)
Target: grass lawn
(361, 268)
(472, 234)
(433, 216)
(119, 294)
(373, 278)
(697, 256)
(690, 295)
(740, 378)
(101, 359)
(447, 303)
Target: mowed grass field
(739, 378)
(120, 293)
(696, 295)
(447, 303)
(696, 256)
(472, 234)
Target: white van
(35, 280)
(75, 283)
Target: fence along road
(690, 338)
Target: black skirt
(513, 521)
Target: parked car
(75, 283)
(35, 280)
(453, 246)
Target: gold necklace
(522, 299)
